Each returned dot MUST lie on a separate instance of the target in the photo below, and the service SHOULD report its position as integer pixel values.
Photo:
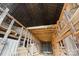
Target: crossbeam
(9, 30)
(39, 27)
(13, 18)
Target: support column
(20, 35)
(69, 19)
(55, 45)
(31, 45)
(24, 40)
(9, 30)
(27, 43)
(4, 40)
(19, 40)
(2, 16)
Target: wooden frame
(3, 15)
(8, 30)
(71, 25)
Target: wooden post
(2, 16)
(9, 30)
(24, 40)
(27, 39)
(73, 30)
(31, 45)
(20, 35)
(19, 39)
(55, 45)
(28, 43)
(5, 36)
(68, 19)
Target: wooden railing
(9, 32)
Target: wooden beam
(64, 7)
(3, 15)
(5, 36)
(10, 35)
(68, 19)
(3, 28)
(13, 18)
(19, 38)
(24, 39)
(20, 35)
(9, 30)
(39, 27)
(64, 36)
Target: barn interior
(32, 29)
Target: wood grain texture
(43, 33)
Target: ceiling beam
(39, 27)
